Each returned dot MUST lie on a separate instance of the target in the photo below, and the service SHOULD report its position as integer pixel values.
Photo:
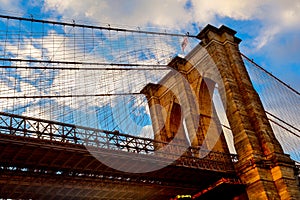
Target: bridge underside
(40, 169)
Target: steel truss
(29, 127)
(40, 157)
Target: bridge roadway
(42, 159)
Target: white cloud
(7, 5)
(265, 37)
(274, 16)
(207, 11)
(274, 19)
(147, 132)
(9, 91)
(168, 13)
(58, 46)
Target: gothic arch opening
(175, 130)
(205, 108)
(210, 134)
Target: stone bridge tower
(182, 111)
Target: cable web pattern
(92, 76)
(81, 74)
(282, 105)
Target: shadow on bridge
(46, 160)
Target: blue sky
(269, 29)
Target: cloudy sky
(269, 28)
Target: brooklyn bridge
(100, 112)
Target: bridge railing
(22, 126)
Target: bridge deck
(34, 166)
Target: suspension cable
(270, 74)
(95, 27)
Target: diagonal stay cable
(291, 126)
(270, 74)
(285, 128)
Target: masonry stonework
(183, 101)
(267, 172)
